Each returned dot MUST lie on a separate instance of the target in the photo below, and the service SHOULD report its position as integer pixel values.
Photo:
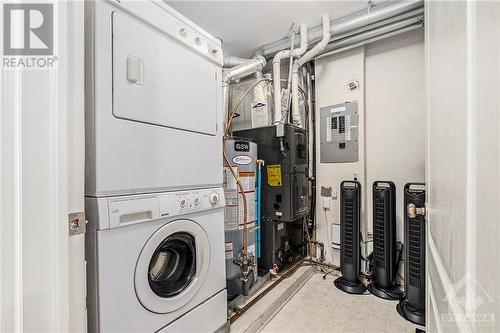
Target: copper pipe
(235, 175)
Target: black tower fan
(350, 258)
(384, 242)
(412, 305)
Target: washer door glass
(173, 265)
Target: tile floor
(320, 307)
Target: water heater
(242, 155)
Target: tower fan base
(416, 316)
(350, 287)
(391, 294)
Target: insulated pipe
(298, 63)
(237, 72)
(244, 69)
(375, 34)
(230, 61)
(378, 12)
(277, 70)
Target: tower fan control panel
(339, 133)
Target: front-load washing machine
(156, 262)
(153, 100)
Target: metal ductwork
(374, 35)
(277, 70)
(230, 61)
(244, 69)
(372, 17)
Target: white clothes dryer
(153, 100)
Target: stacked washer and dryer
(154, 197)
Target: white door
(463, 149)
(42, 278)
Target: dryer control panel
(131, 209)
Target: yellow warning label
(274, 175)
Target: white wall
(392, 122)
(42, 280)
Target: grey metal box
(339, 133)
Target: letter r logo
(28, 29)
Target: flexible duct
(346, 24)
(244, 69)
(230, 61)
(298, 63)
(237, 72)
(277, 69)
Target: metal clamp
(414, 211)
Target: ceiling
(244, 26)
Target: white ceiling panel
(244, 26)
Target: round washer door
(172, 266)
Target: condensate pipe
(277, 70)
(362, 18)
(301, 61)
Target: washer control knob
(214, 199)
(183, 203)
(196, 201)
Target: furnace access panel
(339, 133)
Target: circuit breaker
(339, 133)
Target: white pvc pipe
(277, 70)
(298, 63)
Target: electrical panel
(339, 133)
